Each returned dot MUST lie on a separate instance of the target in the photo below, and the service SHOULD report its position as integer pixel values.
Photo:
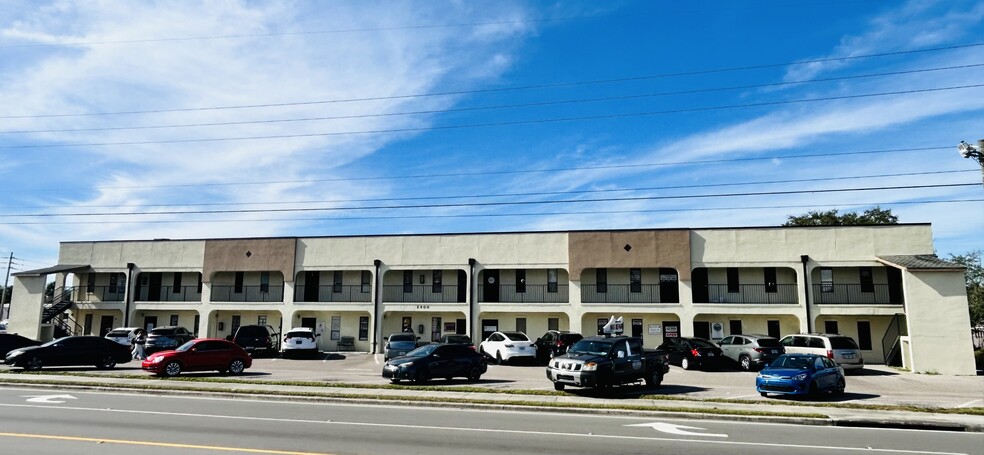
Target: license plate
(710, 354)
(848, 356)
(775, 351)
(297, 342)
(522, 348)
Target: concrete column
(26, 303)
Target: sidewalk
(570, 402)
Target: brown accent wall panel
(249, 255)
(625, 249)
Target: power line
(526, 194)
(487, 204)
(499, 215)
(510, 172)
(506, 89)
(499, 124)
(494, 107)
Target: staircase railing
(65, 326)
(891, 342)
(60, 301)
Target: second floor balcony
(623, 293)
(421, 293)
(748, 294)
(857, 294)
(334, 293)
(530, 293)
(253, 293)
(168, 294)
(97, 294)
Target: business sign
(613, 327)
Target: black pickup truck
(606, 361)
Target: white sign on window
(655, 329)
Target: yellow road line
(157, 444)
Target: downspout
(473, 314)
(806, 293)
(129, 295)
(375, 304)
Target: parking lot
(876, 384)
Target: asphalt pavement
(960, 399)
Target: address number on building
(423, 307)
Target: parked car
(202, 354)
(554, 343)
(436, 361)
(839, 348)
(11, 341)
(300, 341)
(122, 335)
(398, 344)
(505, 346)
(258, 339)
(463, 340)
(70, 351)
(691, 353)
(603, 361)
(166, 338)
(801, 374)
(750, 352)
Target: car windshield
(799, 363)
(165, 332)
(516, 336)
(702, 343)
(402, 337)
(842, 343)
(186, 346)
(422, 351)
(118, 333)
(299, 333)
(593, 347)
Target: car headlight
(14, 353)
(157, 359)
(590, 366)
(800, 377)
(406, 365)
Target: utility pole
(977, 153)
(6, 314)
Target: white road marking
(677, 429)
(51, 399)
(477, 430)
(967, 404)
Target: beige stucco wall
(249, 255)
(146, 254)
(939, 322)
(25, 306)
(649, 249)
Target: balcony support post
(806, 292)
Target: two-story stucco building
(880, 285)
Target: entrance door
(894, 286)
(154, 287)
(312, 284)
(149, 323)
(773, 329)
(460, 327)
(490, 288)
(702, 329)
(435, 329)
(105, 325)
(311, 323)
(462, 286)
(489, 326)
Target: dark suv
(166, 338)
(554, 343)
(258, 339)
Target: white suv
(122, 335)
(300, 340)
(839, 348)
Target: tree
(975, 283)
(871, 216)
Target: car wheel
(655, 378)
(237, 366)
(33, 364)
(107, 363)
(839, 390)
(474, 374)
(498, 358)
(813, 389)
(395, 380)
(685, 363)
(172, 369)
(421, 376)
(764, 394)
(745, 362)
(559, 386)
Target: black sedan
(70, 351)
(11, 341)
(692, 352)
(436, 361)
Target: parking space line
(967, 404)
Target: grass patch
(314, 385)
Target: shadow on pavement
(870, 372)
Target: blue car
(801, 374)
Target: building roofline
(439, 234)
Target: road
(51, 421)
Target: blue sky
(312, 118)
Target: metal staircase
(892, 343)
(55, 313)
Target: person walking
(139, 338)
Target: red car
(203, 354)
